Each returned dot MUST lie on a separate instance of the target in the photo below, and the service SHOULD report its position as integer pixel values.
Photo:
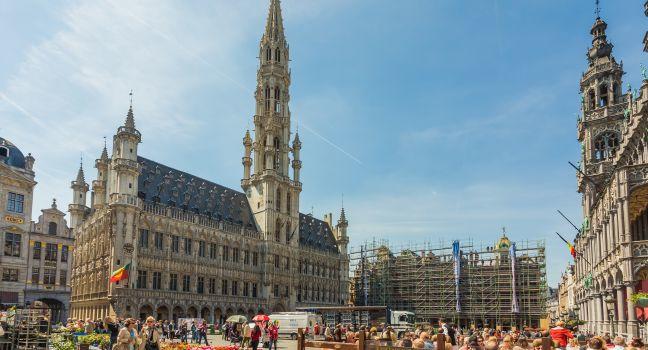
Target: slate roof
(316, 234)
(159, 183)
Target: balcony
(125, 199)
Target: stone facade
(37, 257)
(49, 262)
(612, 246)
(199, 249)
(16, 197)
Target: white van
(289, 322)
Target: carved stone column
(620, 316)
(632, 328)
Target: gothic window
(288, 202)
(141, 279)
(276, 157)
(186, 283)
(278, 200)
(603, 95)
(591, 99)
(278, 230)
(615, 93)
(277, 92)
(268, 54)
(288, 232)
(605, 145)
(51, 229)
(278, 55)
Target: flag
(120, 274)
(456, 254)
(570, 246)
(572, 250)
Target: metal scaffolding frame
(420, 278)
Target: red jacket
(561, 335)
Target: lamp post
(609, 302)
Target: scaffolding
(421, 278)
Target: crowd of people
(425, 337)
(131, 334)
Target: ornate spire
(104, 152)
(274, 25)
(296, 143)
(130, 119)
(80, 175)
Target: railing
(600, 68)
(119, 198)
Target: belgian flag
(120, 274)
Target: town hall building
(200, 249)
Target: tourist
(418, 344)
(316, 330)
(637, 343)
(246, 335)
(150, 335)
(172, 330)
(337, 333)
(427, 342)
(202, 332)
(183, 332)
(165, 329)
(388, 334)
(88, 327)
(127, 336)
(507, 343)
(596, 343)
(373, 333)
(523, 343)
(112, 329)
(619, 343)
(406, 341)
(328, 335)
(194, 332)
(273, 335)
(561, 335)
(255, 335)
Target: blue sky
(450, 119)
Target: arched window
(605, 145)
(268, 54)
(276, 157)
(615, 93)
(277, 92)
(52, 228)
(288, 232)
(278, 55)
(278, 200)
(603, 95)
(278, 230)
(591, 97)
(288, 202)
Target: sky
(434, 120)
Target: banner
(514, 304)
(456, 254)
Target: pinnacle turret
(130, 119)
(342, 220)
(80, 179)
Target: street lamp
(609, 302)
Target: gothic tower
(603, 105)
(272, 194)
(79, 192)
(122, 195)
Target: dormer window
(4, 151)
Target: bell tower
(271, 192)
(603, 107)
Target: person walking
(202, 332)
(150, 335)
(247, 330)
(273, 335)
(255, 335)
